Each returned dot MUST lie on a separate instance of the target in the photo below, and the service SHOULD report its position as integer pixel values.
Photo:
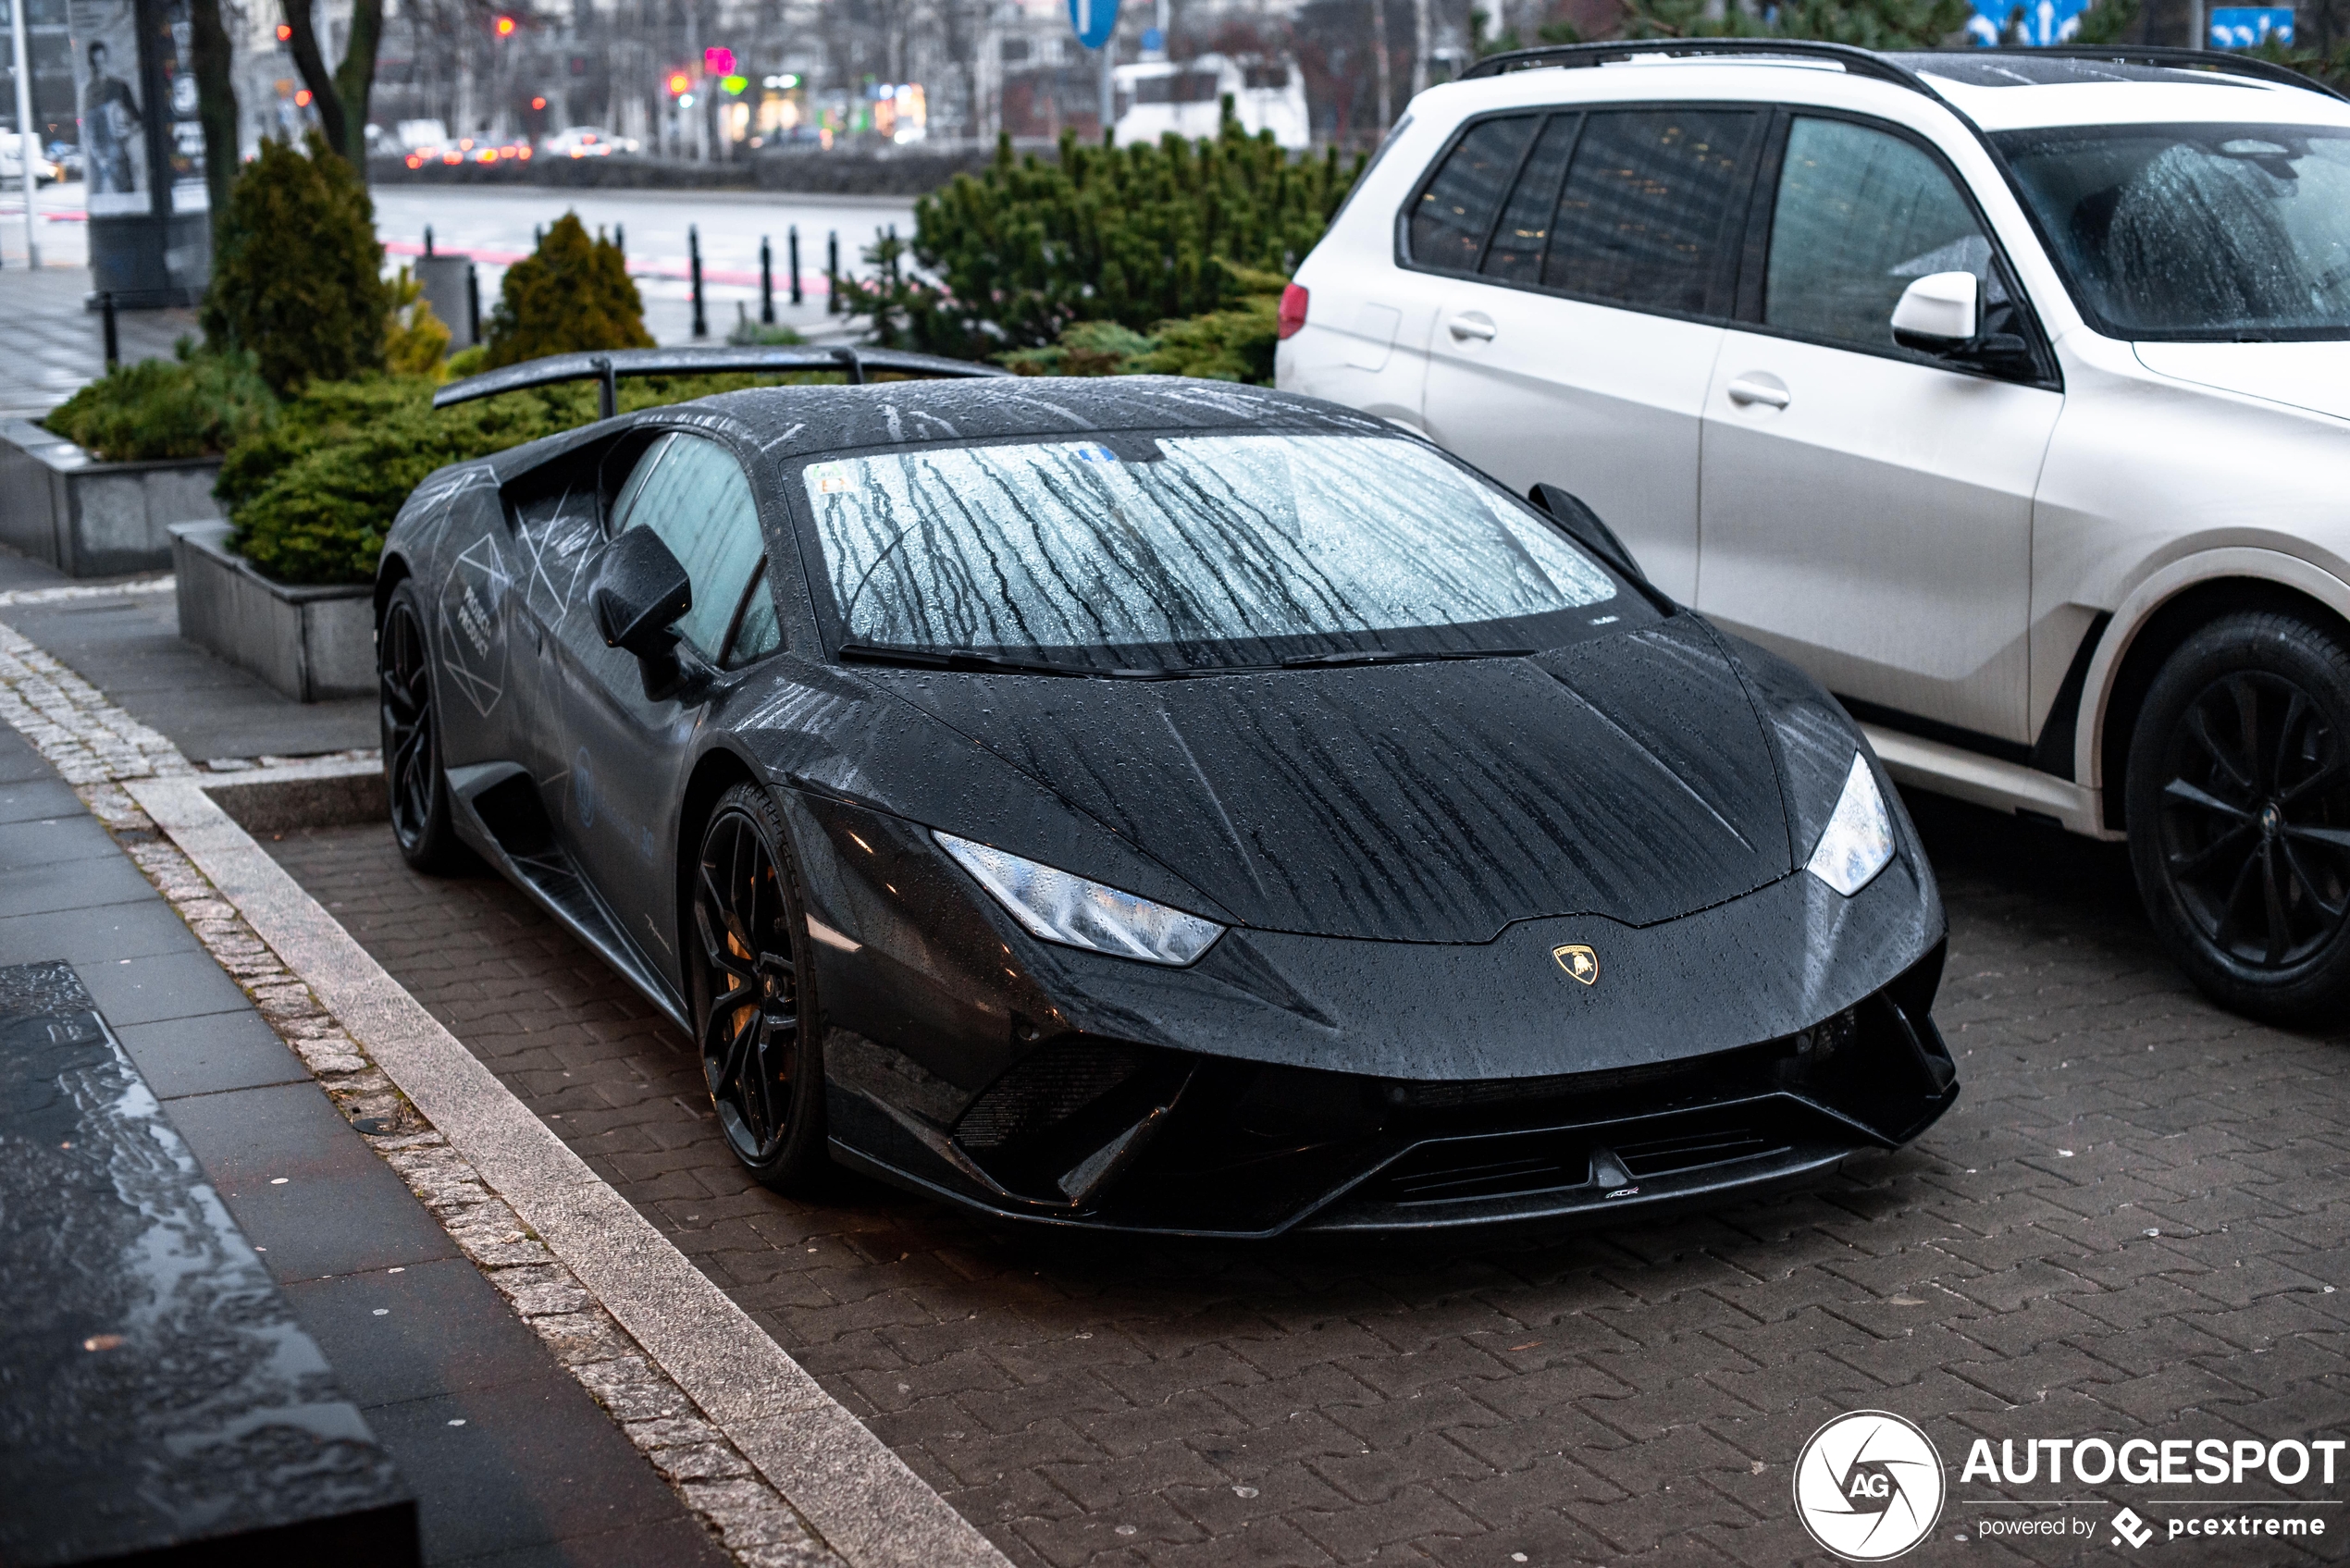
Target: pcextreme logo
(1868, 1485)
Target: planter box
(92, 519)
(312, 644)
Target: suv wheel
(2239, 810)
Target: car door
(626, 753)
(1590, 255)
(1867, 509)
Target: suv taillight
(1292, 310)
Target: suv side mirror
(1939, 312)
(639, 594)
(1584, 524)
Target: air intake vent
(1663, 1156)
(1046, 1088)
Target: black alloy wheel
(2239, 812)
(754, 999)
(417, 789)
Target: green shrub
(415, 341)
(1009, 258)
(313, 497)
(572, 293)
(195, 405)
(297, 274)
(1084, 348)
(1233, 344)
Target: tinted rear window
(1648, 205)
(1450, 220)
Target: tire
(416, 781)
(2238, 798)
(754, 995)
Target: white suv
(2008, 394)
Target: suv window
(1449, 221)
(694, 495)
(1646, 210)
(1523, 237)
(1859, 214)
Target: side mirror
(1584, 524)
(639, 592)
(1939, 312)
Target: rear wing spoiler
(607, 366)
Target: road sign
(1094, 19)
(2248, 26)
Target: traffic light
(505, 25)
(680, 84)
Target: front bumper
(1109, 1135)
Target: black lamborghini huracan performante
(1162, 806)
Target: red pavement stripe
(676, 271)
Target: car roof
(1998, 89)
(795, 422)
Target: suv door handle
(1470, 325)
(1753, 389)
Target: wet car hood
(1627, 776)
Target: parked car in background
(2008, 394)
(586, 141)
(46, 170)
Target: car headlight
(1858, 839)
(1068, 909)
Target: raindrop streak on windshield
(1219, 552)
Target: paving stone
(1596, 1399)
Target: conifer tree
(297, 274)
(572, 293)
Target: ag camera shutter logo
(1869, 1485)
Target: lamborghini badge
(1578, 960)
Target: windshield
(2219, 232)
(1196, 553)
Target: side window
(694, 494)
(1647, 207)
(757, 634)
(1859, 214)
(1514, 258)
(1457, 208)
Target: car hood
(2308, 375)
(1628, 777)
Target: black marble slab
(158, 1404)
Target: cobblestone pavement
(2132, 1225)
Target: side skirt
(1941, 768)
(499, 816)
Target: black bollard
(693, 252)
(538, 236)
(795, 264)
(831, 272)
(766, 283)
(114, 345)
(473, 305)
(619, 237)
(429, 239)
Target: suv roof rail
(2218, 61)
(1859, 62)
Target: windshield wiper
(973, 658)
(1390, 656)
